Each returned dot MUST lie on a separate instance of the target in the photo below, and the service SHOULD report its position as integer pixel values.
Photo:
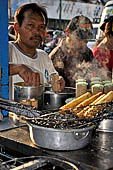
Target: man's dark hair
(35, 7)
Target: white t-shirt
(40, 63)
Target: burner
(38, 163)
(13, 161)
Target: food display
(87, 105)
(96, 82)
(92, 110)
(75, 101)
(96, 79)
(97, 88)
(82, 113)
(106, 81)
(30, 102)
(89, 102)
(108, 87)
(81, 88)
(80, 80)
(29, 95)
(86, 102)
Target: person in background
(104, 51)
(26, 62)
(106, 13)
(73, 49)
(57, 37)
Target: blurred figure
(106, 13)
(104, 51)
(73, 49)
(57, 37)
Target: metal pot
(22, 92)
(106, 126)
(58, 139)
(56, 100)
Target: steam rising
(86, 70)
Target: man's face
(32, 31)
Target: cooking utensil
(39, 162)
(106, 125)
(65, 132)
(58, 139)
(53, 100)
(22, 92)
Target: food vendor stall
(16, 141)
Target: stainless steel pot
(56, 100)
(106, 125)
(58, 139)
(22, 92)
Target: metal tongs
(19, 109)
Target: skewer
(41, 117)
(20, 109)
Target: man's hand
(30, 78)
(58, 83)
(62, 83)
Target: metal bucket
(22, 92)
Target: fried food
(108, 87)
(86, 102)
(81, 88)
(75, 102)
(26, 102)
(34, 102)
(83, 111)
(94, 109)
(30, 102)
(97, 88)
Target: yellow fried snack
(83, 111)
(86, 102)
(75, 102)
(94, 109)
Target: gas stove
(37, 163)
(15, 161)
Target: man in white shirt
(26, 62)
